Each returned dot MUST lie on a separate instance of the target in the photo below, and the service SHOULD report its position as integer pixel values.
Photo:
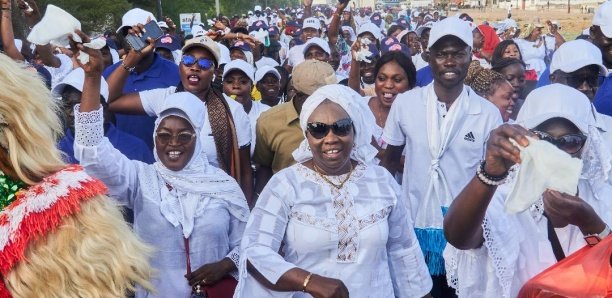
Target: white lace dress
(516, 247)
(218, 224)
(361, 234)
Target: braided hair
(482, 80)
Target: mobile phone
(152, 30)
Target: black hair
(499, 64)
(498, 53)
(393, 28)
(240, 30)
(404, 62)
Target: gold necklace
(324, 177)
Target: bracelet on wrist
(489, 179)
(306, 281)
(127, 68)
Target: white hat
(224, 54)
(575, 54)
(257, 8)
(453, 27)
(163, 24)
(419, 30)
(311, 23)
(264, 70)
(603, 18)
(250, 13)
(198, 30)
(76, 79)
(317, 41)
(134, 17)
(206, 43)
(370, 27)
(241, 65)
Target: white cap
(263, 71)
(603, 18)
(224, 54)
(257, 8)
(576, 54)
(162, 24)
(250, 13)
(370, 27)
(453, 27)
(241, 65)
(419, 30)
(198, 30)
(134, 17)
(76, 79)
(317, 41)
(311, 23)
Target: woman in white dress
(192, 213)
(533, 48)
(339, 221)
(492, 253)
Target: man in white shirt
(443, 127)
(259, 16)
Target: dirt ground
(571, 24)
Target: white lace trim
(498, 258)
(89, 127)
(234, 255)
(320, 222)
(597, 160)
(374, 217)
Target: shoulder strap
(554, 240)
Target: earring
(308, 148)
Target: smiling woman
(360, 237)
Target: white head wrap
(561, 101)
(198, 179)
(357, 109)
(351, 32)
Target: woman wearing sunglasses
(226, 133)
(494, 253)
(192, 213)
(341, 220)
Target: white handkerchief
(543, 167)
(95, 44)
(55, 27)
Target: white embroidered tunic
(361, 234)
(218, 224)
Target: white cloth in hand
(55, 27)
(543, 167)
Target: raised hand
(95, 66)
(30, 10)
(501, 154)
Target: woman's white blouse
(516, 246)
(361, 234)
(216, 234)
(533, 55)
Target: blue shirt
(130, 146)
(544, 78)
(424, 76)
(603, 98)
(161, 74)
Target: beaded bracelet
(488, 179)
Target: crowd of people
(310, 151)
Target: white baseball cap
(312, 23)
(264, 70)
(257, 8)
(317, 41)
(370, 27)
(419, 30)
(603, 18)
(163, 24)
(76, 79)
(224, 54)
(451, 27)
(134, 17)
(576, 54)
(241, 65)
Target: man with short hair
(278, 131)
(310, 29)
(601, 36)
(443, 128)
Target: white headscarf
(357, 109)
(198, 179)
(351, 32)
(561, 101)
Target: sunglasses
(576, 81)
(570, 143)
(203, 63)
(181, 139)
(340, 128)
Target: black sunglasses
(576, 81)
(570, 143)
(181, 139)
(340, 128)
(204, 63)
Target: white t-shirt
(58, 74)
(254, 114)
(407, 125)
(419, 62)
(153, 102)
(295, 55)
